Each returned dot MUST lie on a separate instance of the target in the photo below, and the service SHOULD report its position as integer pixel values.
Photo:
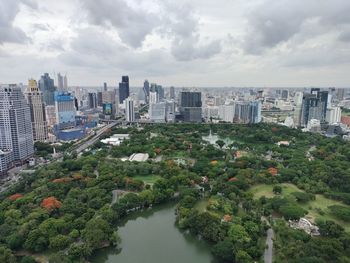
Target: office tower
(99, 99)
(47, 87)
(285, 94)
(157, 112)
(65, 83)
(248, 112)
(227, 112)
(124, 89)
(314, 106)
(340, 94)
(172, 93)
(92, 100)
(59, 82)
(153, 97)
(191, 106)
(50, 112)
(146, 90)
(129, 110)
(16, 137)
(109, 98)
(255, 111)
(37, 110)
(333, 115)
(160, 91)
(170, 111)
(105, 88)
(65, 110)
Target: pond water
(213, 138)
(151, 236)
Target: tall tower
(60, 82)
(129, 110)
(65, 83)
(146, 90)
(47, 87)
(124, 91)
(16, 137)
(37, 111)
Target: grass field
(318, 208)
(148, 179)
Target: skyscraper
(65, 110)
(129, 110)
(124, 89)
(47, 87)
(65, 83)
(146, 90)
(248, 112)
(314, 106)
(16, 137)
(172, 93)
(60, 82)
(92, 100)
(191, 106)
(37, 110)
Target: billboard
(107, 108)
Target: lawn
(148, 179)
(318, 208)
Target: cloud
(8, 13)
(276, 22)
(133, 24)
(174, 21)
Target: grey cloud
(8, 12)
(174, 21)
(276, 22)
(133, 25)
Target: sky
(183, 43)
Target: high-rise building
(227, 112)
(105, 86)
(248, 112)
(37, 110)
(65, 110)
(16, 137)
(109, 97)
(172, 93)
(191, 106)
(285, 94)
(146, 90)
(92, 100)
(65, 83)
(314, 106)
(60, 84)
(47, 87)
(153, 97)
(129, 110)
(50, 112)
(340, 94)
(333, 115)
(124, 89)
(99, 99)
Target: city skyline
(230, 43)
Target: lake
(151, 236)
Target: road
(95, 138)
(269, 246)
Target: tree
(97, 230)
(277, 189)
(224, 250)
(330, 229)
(6, 255)
(220, 143)
(59, 242)
(28, 259)
(292, 212)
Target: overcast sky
(191, 43)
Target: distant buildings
(16, 134)
(172, 93)
(60, 84)
(47, 87)
(37, 110)
(124, 91)
(248, 112)
(333, 115)
(191, 106)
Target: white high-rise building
(37, 110)
(333, 115)
(153, 97)
(129, 110)
(60, 82)
(65, 83)
(227, 112)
